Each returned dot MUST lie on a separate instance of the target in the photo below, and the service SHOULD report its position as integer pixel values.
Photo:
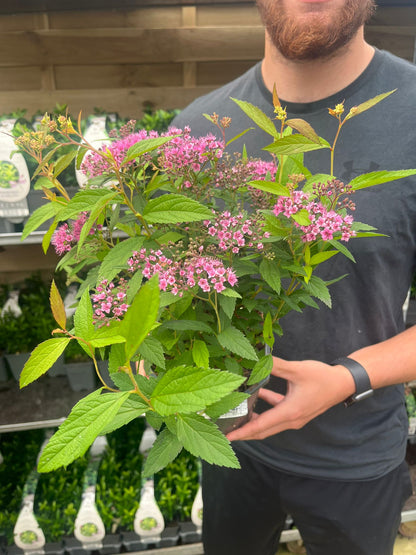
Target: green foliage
(19, 334)
(180, 286)
(119, 478)
(58, 498)
(19, 451)
(175, 488)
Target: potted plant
(187, 257)
(78, 368)
(21, 331)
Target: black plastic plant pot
(237, 417)
(74, 547)
(132, 542)
(189, 533)
(169, 536)
(54, 548)
(111, 544)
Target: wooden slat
(244, 15)
(399, 41)
(138, 18)
(118, 76)
(126, 102)
(394, 16)
(16, 262)
(69, 47)
(12, 6)
(19, 22)
(18, 78)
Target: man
(338, 471)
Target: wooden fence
(121, 60)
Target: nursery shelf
(54, 423)
(35, 238)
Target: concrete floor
(403, 546)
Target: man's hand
(312, 388)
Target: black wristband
(363, 387)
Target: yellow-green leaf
(57, 306)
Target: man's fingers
(270, 397)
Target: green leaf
(146, 145)
(39, 216)
(228, 305)
(187, 325)
(317, 287)
(301, 217)
(367, 104)
(259, 117)
(46, 241)
(86, 421)
(304, 128)
(57, 306)
(105, 336)
(117, 257)
(203, 439)
(321, 257)
(96, 210)
(270, 272)
(342, 249)
(268, 335)
(141, 316)
(152, 351)
(233, 339)
(63, 162)
(122, 381)
(230, 293)
(200, 353)
(117, 358)
(42, 358)
(188, 389)
(43, 183)
(82, 202)
(83, 323)
(174, 208)
(293, 144)
(226, 404)
(244, 153)
(261, 369)
(135, 283)
(377, 178)
(270, 187)
(170, 237)
(164, 450)
(132, 408)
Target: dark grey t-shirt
(368, 439)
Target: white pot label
(14, 175)
(241, 410)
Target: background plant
(19, 451)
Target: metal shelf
(7, 239)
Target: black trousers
(245, 511)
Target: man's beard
(315, 37)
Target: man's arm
(314, 387)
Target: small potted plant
(188, 258)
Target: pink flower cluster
(109, 302)
(67, 235)
(179, 156)
(95, 164)
(186, 154)
(205, 272)
(234, 232)
(324, 223)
